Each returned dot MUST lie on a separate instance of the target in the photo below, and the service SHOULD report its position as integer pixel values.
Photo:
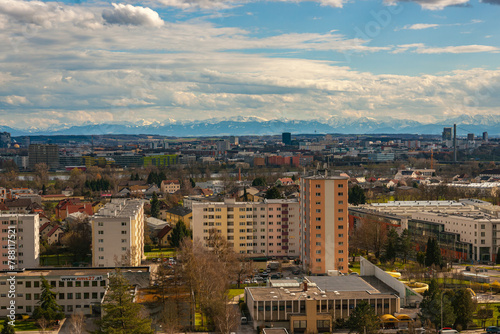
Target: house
(170, 186)
(414, 173)
(163, 236)
(177, 213)
(151, 190)
(284, 181)
(54, 235)
(18, 205)
(72, 205)
(68, 191)
(96, 206)
(44, 230)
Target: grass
(355, 267)
(235, 292)
(156, 253)
(496, 314)
(24, 325)
(56, 260)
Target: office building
(470, 137)
(269, 228)
(43, 153)
(77, 290)
(222, 146)
(5, 139)
(26, 244)
(118, 234)
(324, 224)
(485, 136)
(286, 138)
(446, 134)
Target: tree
(356, 195)
(405, 245)
(193, 184)
(464, 307)
(432, 253)
(47, 306)
(363, 319)
(120, 314)
(484, 313)
(391, 245)
(259, 182)
(77, 323)
(7, 328)
(497, 259)
(430, 307)
(179, 232)
(155, 206)
(273, 193)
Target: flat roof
(76, 271)
(341, 283)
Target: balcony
(284, 226)
(284, 233)
(284, 247)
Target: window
(341, 251)
(28, 296)
(86, 284)
(78, 295)
(124, 232)
(61, 296)
(318, 260)
(318, 244)
(94, 295)
(28, 284)
(103, 283)
(341, 227)
(341, 210)
(318, 219)
(69, 284)
(318, 210)
(318, 203)
(341, 194)
(318, 235)
(86, 295)
(100, 241)
(318, 252)
(101, 249)
(100, 232)
(318, 186)
(340, 186)
(124, 249)
(318, 227)
(61, 284)
(100, 224)
(318, 194)
(341, 235)
(341, 202)
(69, 295)
(124, 224)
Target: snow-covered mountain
(249, 125)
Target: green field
(24, 325)
(156, 253)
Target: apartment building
(19, 233)
(118, 234)
(269, 228)
(324, 224)
(76, 289)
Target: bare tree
(77, 323)
(43, 324)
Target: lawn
(156, 253)
(56, 260)
(496, 314)
(24, 325)
(235, 292)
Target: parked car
(493, 329)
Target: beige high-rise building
(19, 240)
(118, 234)
(269, 228)
(324, 224)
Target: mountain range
(241, 126)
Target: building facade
(269, 228)
(118, 234)
(324, 224)
(20, 241)
(43, 153)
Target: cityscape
(250, 167)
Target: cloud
(132, 15)
(225, 4)
(420, 26)
(46, 14)
(432, 4)
(15, 100)
(423, 49)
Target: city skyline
(76, 62)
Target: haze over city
(67, 63)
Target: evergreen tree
(405, 245)
(430, 307)
(47, 306)
(391, 245)
(7, 328)
(120, 314)
(432, 253)
(44, 190)
(136, 178)
(273, 193)
(497, 259)
(155, 206)
(193, 184)
(356, 195)
(463, 307)
(259, 182)
(179, 232)
(363, 319)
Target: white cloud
(15, 100)
(420, 26)
(432, 4)
(224, 4)
(132, 15)
(422, 48)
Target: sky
(75, 62)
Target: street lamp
(442, 295)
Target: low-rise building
(170, 186)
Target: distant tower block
(286, 138)
(446, 134)
(485, 136)
(470, 137)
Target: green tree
(47, 307)
(193, 184)
(432, 253)
(179, 232)
(430, 307)
(120, 314)
(273, 193)
(356, 195)
(391, 245)
(259, 182)
(497, 259)
(363, 319)
(405, 245)
(464, 307)
(7, 328)
(421, 258)
(155, 206)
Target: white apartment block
(76, 289)
(20, 241)
(118, 234)
(269, 228)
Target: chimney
(305, 286)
